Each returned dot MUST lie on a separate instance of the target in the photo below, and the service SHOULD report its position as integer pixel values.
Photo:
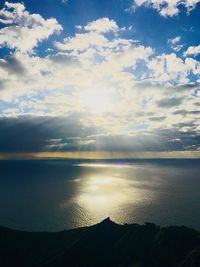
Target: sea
(53, 195)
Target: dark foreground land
(104, 244)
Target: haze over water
(51, 195)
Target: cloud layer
(52, 102)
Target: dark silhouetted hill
(101, 245)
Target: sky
(117, 76)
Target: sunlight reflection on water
(56, 195)
(104, 194)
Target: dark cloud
(181, 140)
(142, 114)
(161, 118)
(2, 84)
(187, 86)
(12, 65)
(186, 112)
(170, 140)
(32, 134)
(170, 102)
(36, 134)
(197, 104)
(65, 60)
(168, 89)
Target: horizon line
(101, 155)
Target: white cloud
(82, 42)
(102, 25)
(175, 43)
(174, 40)
(169, 69)
(25, 30)
(79, 27)
(93, 36)
(192, 50)
(167, 7)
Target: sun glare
(96, 100)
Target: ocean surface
(52, 195)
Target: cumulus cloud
(167, 7)
(23, 31)
(192, 50)
(93, 36)
(93, 46)
(171, 69)
(102, 25)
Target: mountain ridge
(104, 244)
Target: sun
(96, 100)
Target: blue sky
(90, 75)
(150, 28)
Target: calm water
(53, 195)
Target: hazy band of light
(100, 155)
